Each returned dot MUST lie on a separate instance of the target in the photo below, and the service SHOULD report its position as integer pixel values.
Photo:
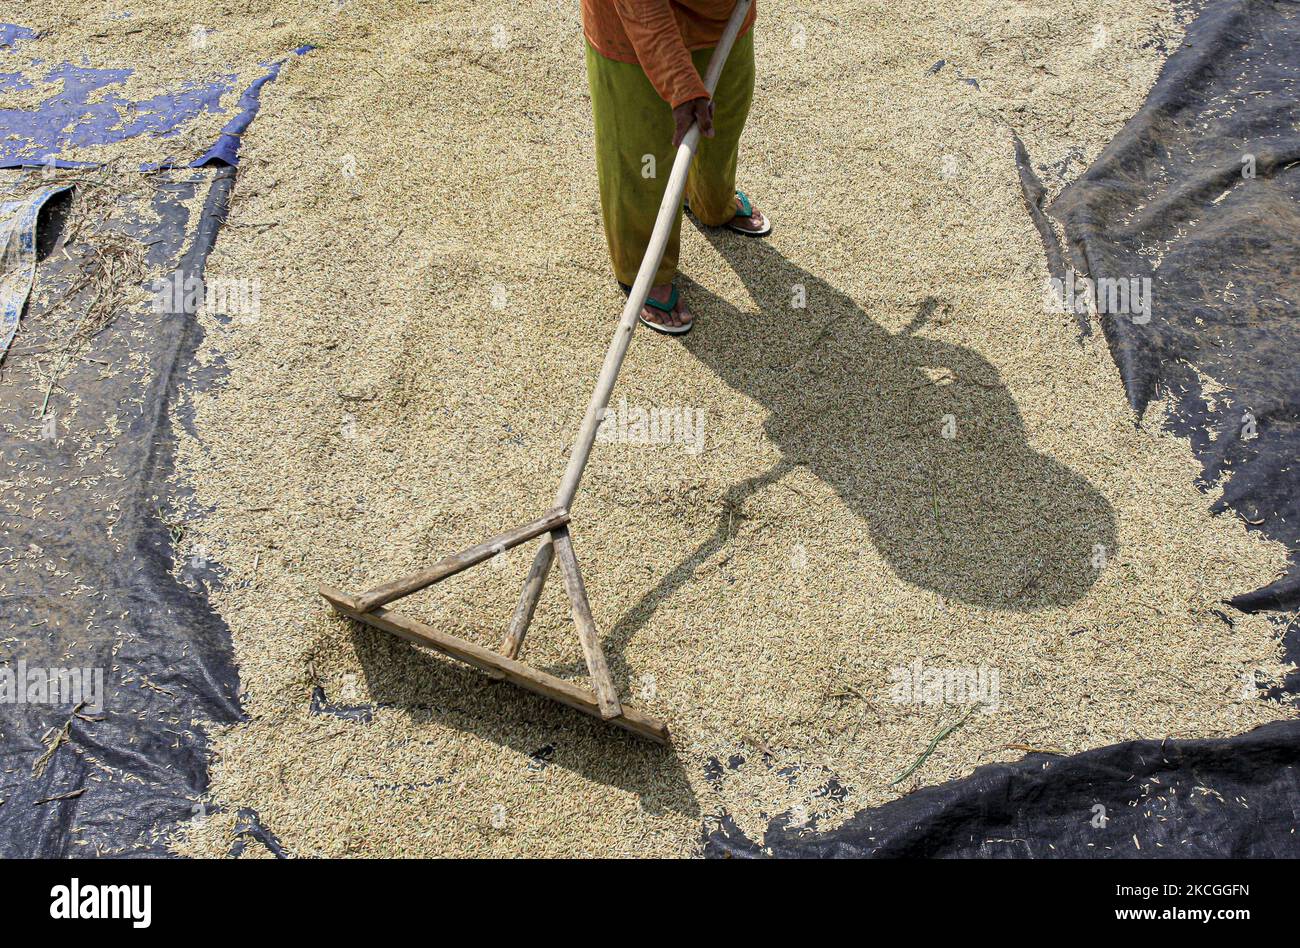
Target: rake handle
(654, 254)
(636, 297)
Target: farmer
(644, 63)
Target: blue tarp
(87, 112)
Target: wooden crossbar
(459, 562)
(496, 665)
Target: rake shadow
(544, 733)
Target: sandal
(666, 306)
(745, 209)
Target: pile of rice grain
(417, 203)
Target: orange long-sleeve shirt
(660, 35)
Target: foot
(755, 222)
(747, 219)
(676, 321)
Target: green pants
(634, 153)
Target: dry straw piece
(417, 201)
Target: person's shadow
(919, 438)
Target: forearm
(652, 29)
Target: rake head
(601, 700)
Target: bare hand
(696, 110)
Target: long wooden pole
(654, 254)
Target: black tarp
(1200, 193)
(1138, 800)
(96, 573)
(90, 528)
(1167, 201)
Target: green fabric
(631, 123)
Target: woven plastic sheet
(117, 657)
(88, 111)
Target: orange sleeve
(652, 29)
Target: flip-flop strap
(746, 209)
(664, 307)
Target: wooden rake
(602, 699)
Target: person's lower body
(634, 154)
